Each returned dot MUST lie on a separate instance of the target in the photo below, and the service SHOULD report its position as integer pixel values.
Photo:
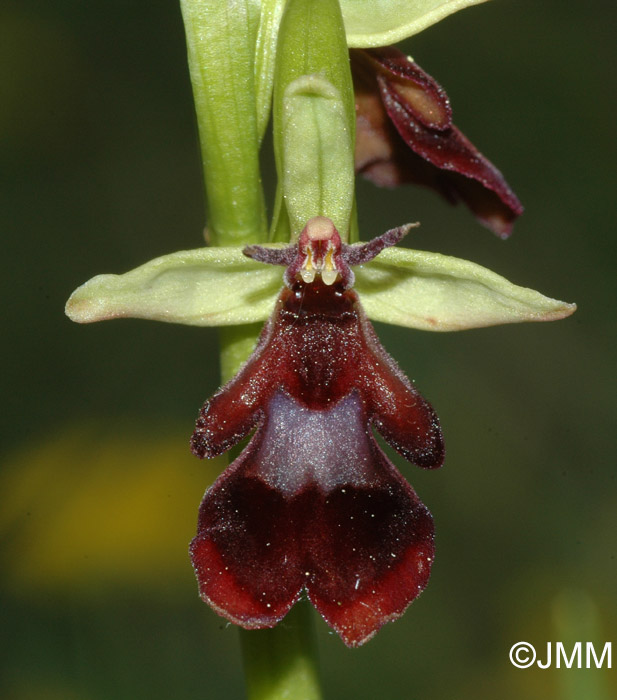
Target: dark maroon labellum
(312, 503)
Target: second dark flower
(405, 134)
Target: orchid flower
(278, 521)
(312, 503)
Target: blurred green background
(100, 172)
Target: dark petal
(360, 253)
(271, 256)
(361, 546)
(396, 408)
(235, 409)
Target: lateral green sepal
(434, 292)
(202, 287)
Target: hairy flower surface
(313, 503)
(405, 134)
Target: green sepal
(434, 292)
(222, 287)
(312, 61)
(372, 23)
(202, 287)
(318, 175)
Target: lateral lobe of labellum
(313, 503)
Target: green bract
(265, 55)
(313, 116)
(220, 286)
(370, 23)
(317, 164)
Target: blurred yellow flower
(91, 508)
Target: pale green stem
(236, 343)
(279, 663)
(220, 37)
